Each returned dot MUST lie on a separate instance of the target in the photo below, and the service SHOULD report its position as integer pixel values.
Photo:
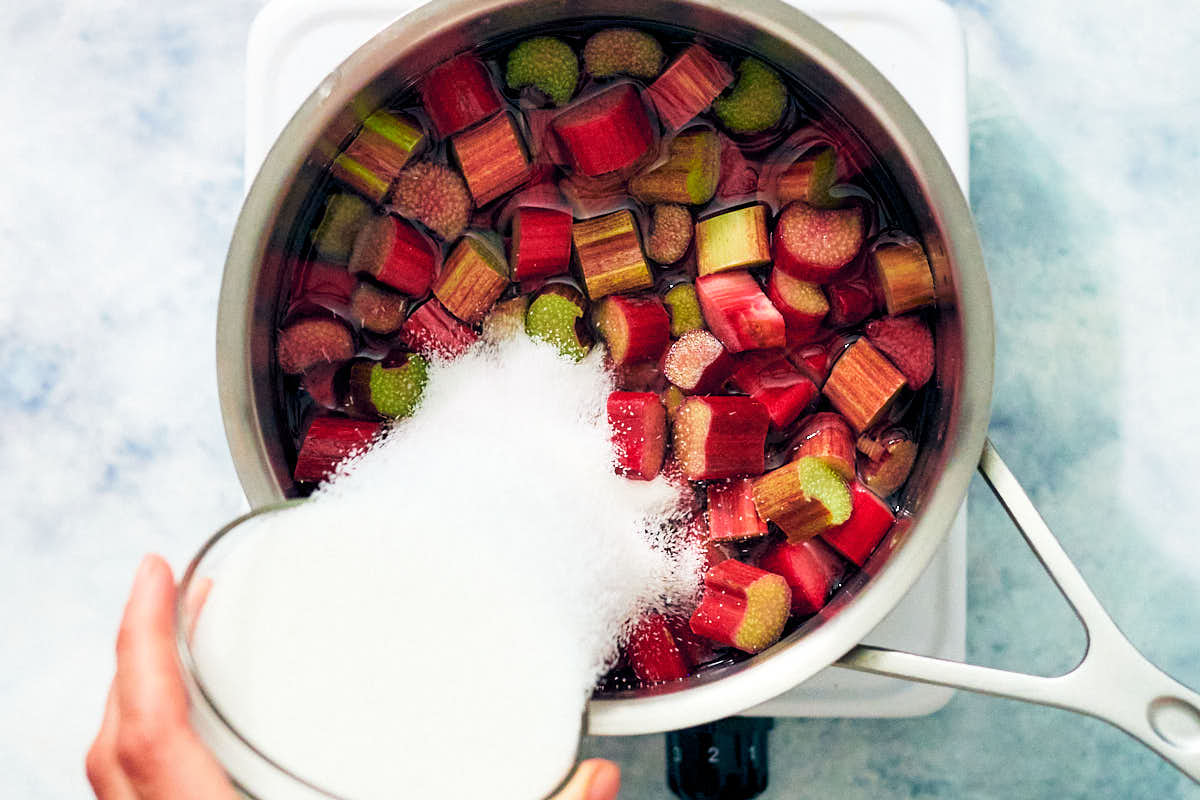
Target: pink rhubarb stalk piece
(312, 342)
(802, 304)
(720, 437)
(638, 422)
(328, 441)
(688, 86)
(653, 653)
(394, 253)
(827, 436)
(862, 385)
(850, 302)
(811, 570)
(541, 242)
(433, 332)
(606, 132)
(743, 606)
(858, 536)
(698, 363)
(775, 382)
(492, 158)
(739, 313)
(636, 328)
(907, 343)
(458, 93)
(813, 244)
(732, 516)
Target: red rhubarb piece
(827, 437)
(636, 329)
(850, 302)
(720, 437)
(813, 244)
(328, 441)
(492, 158)
(775, 382)
(606, 132)
(739, 313)
(863, 385)
(698, 363)
(323, 284)
(653, 653)
(376, 309)
(695, 648)
(432, 331)
(434, 195)
(811, 570)
(541, 242)
(814, 359)
(731, 513)
(472, 279)
(739, 177)
(394, 253)
(458, 93)
(743, 606)
(688, 86)
(638, 422)
(869, 520)
(907, 343)
(311, 342)
(887, 471)
(801, 303)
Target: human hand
(594, 779)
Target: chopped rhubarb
(720, 437)
(670, 233)
(610, 255)
(808, 178)
(887, 473)
(756, 102)
(506, 319)
(638, 422)
(328, 442)
(813, 244)
(731, 513)
(739, 176)
(743, 606)
(395, 253)
(472, 279)
(345, 215)
(492, 158)
(435, 196)
(376, 309)
(850, 302)
(698, 363)
(803, 497)
(543, 143)
(458, 93)
(592, 197)
(815, 360)
(606, 132)
(541, 242)
(545, 63)
(636, 329)
(811, 570)
(739, 313)
(318, 283)
(390, 388)
(688, 86)
(869, 520)
(379, 151)
(684, 308)
(863, 385)
(775, 382)
(622, 51)
(688, 176)
(905, 278)
(801, 303)
(556, 316)
(672, 398)
(733, 240)
(826, 436)
(432, 331)
(907, 343)
(311, 342)
(653, 653)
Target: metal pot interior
(270, 232)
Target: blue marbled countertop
(123, 139)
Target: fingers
(103, 771)
(594, 779)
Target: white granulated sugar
(431, 623)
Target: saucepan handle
(1113, 682)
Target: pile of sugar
(431, 623)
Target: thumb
(594, 779)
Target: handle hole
(1177, 721)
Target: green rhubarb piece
(398, 130)
(345, 215)
(546, 63)
(689, 175)
(756, 102)
(820, 482)
(396, 391)
(554, 319)
(623, 51)
(684, 308)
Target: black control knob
(723, 760)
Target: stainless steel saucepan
(1112, 682)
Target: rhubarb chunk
(492, 158)
(808, 179)
(907, 343)
(472, 279)
(311, 342)
(653, 653)
(811, 570)
(862, 385)
(390, 388)
(688, 86)
(689, 175)
(720, 437)
(738, 312)
(801, 303)
(623, 51)
(743, 606)
(869, 520)
(435, 196)
(394, 253)
(506, 319)
(684, 308)
(458, 93)
(775, 382)
(432, 332)
(733, 240)
(556, 316)
(636, 329)
(904, 276)
(803, 497)
(889, 469)
(345, 215)
(756, 102)
(329, 441)
(546, 63)
(638, 422)
(698, 363)
(606, 132)
(732, 516)
(376, 309)
(850, 302)
(670, 233)
(610, 255)
(541, 242)
(379, 151)
(827, 437)
(813, 244)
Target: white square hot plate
(918, 46)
